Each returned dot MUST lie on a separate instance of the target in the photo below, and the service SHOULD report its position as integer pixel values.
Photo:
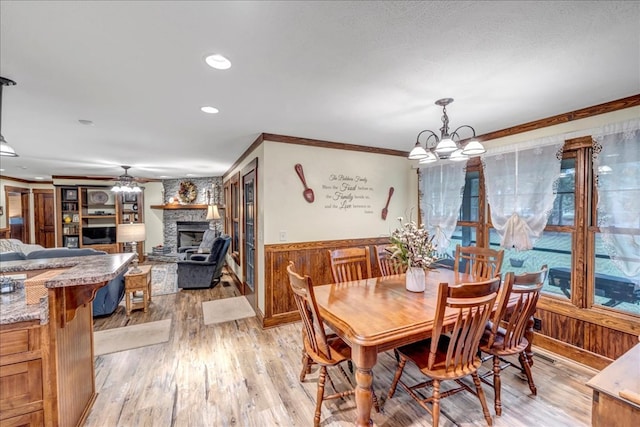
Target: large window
(581, 270)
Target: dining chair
(504, 334)
(350, 264)
(387, 265)
(452, 351)
(322, 349)
(479, 262)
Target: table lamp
(212, 214)
(131, 233)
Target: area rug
(130, 337)
(164, 278)
(226, 310)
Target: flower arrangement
(412, 246)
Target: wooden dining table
(379, 314)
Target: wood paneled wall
(310, 258)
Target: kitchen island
(46, 349)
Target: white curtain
(441, 188)
(521, 181)
(617, 167)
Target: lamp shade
(126, 233)
(212, 212)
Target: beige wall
(350, 188)
(284, 216)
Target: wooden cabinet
(21, 375)
(88, 216)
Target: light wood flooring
(237, 374)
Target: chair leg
(306, 365)
(396, 378)
(526, 366)
(436, 402)
(376, 405)
(319, 395)
(497, 385)
(481, 397)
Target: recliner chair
(204, 270)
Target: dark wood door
(249, 235)
(44, 218)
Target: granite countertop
(83, 270)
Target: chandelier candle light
(448, 145)
(412, 246)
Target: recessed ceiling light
(85, 122)
(1, 170)
(38, 177)
(209, 110)
(190, 174)
(218, 62)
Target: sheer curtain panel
(521, 182)
(441, 187)
(617, 167)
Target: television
(99, 235)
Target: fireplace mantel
(175, 206)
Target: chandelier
(448, 145)
(5, 149)
(126, 183)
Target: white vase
(415, 279)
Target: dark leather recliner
(204, 270)
(208, 238)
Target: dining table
(379, 314)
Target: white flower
(412, 245)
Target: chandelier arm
(455, 132)
(433, 135)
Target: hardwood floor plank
(237, 374)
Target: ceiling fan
(125, 183)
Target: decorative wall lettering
(348, 193)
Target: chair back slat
(526, 288)
(350, 264)
(387, 265)
(313, 325)
(473, 304)
(479, 262)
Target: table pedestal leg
(365, 359)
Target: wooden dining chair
(350, 264)
(323, 349)
(387, 265)
(452, 352)
(479, 262)
(505, 333)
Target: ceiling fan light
(458, 156)
(418, 152)
(473, 148)
(446, 146)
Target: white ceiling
(359, 72)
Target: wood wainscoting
(310, 258)
(591, 336)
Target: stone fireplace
(185, 226)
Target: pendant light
(5, 149)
